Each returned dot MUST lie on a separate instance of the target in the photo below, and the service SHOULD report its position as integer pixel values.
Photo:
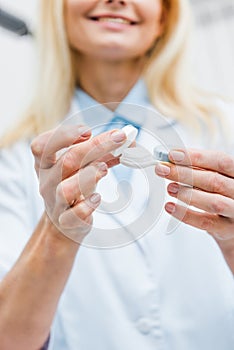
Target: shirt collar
(130, 108)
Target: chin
(116, 52)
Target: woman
(161, 291)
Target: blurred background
(213, 53)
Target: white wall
(16, 63)
(213, 53)
(214, 48)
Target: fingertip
(102, 170)
(85, 131)
(37, 145)
(176, 156)
(95, 199)
(173, 188)
(162, 169)
(170, 208)
(118, 136)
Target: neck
(108, 82)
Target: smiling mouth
(113, 20)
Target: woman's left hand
(204, 180)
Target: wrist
(54, 237)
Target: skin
(115, 56)
(205, 182)
(108, 65)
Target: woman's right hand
(67, 182)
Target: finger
(213, 160)
(110, 160)
(80, 185)
(209, 202)
(113, 162)
(81, 155)
(45, 146)
(50, 179)
(208, 181)
(218, 226)
(79, 215)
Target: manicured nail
(177, 156)
(84, 131)
(95, 198)
(118, 136)
(170, 208)
(162, 170)
(173, 188)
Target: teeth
(114, 20)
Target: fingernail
(170, 208)
(177, 156)
(84, 131)
(102, 167)
(162, 170)
(173, 188)
(95, 198)
(118, 136)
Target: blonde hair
(166, 73)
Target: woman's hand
(67, 182)
(204, 180)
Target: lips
(113, 19)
